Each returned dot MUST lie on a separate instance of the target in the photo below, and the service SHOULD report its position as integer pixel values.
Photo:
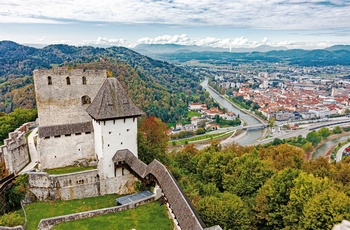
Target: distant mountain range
(149, 49)
(175, 48)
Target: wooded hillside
(159, 88)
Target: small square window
(109, 132)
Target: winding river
(251, 136)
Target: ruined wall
(76, 185)
(61, 94)
(62, 150)
(14, 152)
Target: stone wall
(77, 185)
(12, 228)
(62, 96)
(14, 152)
(62, 150)
(48, 223)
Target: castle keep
(85, 115)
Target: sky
(308, 24)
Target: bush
(11, 219)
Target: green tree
(337, 130)
(152, 140)
(305, 187)
(308, 147)
(324, 132)
(246, 174)
(272, 199)
(226, 210)
(314, 137)
(326, 209)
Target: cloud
(262, 14)
(103, 41)
(183, 39)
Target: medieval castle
(83, 114)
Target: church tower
(114, 119)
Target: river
(251, 136)
(323, 149)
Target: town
(286, 93)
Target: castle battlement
(69, 72)
(14, 152)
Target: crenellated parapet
(14, 152)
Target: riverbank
(323, 142)
(248, 112)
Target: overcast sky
(220, 23)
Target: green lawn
(193, 114)
(201, 138)
(40, 210)
(150, 216)
(69, 169)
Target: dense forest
(159, 88)
(255, 187)
(263, 187)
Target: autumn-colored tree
(342, 173)
(283, 156)
(319, 167)
(152, 140)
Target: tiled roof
(57, 130)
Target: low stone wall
(64, 187)
(14, 152)
(78, 185)
(48, 223)
(12, 228)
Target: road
(306, 129)
(339, 155)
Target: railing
(6, 181)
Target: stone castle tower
(82, 114)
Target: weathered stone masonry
(14, 152)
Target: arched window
(84, 80)
(49, 80)
(68, 80)
(85, 100)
